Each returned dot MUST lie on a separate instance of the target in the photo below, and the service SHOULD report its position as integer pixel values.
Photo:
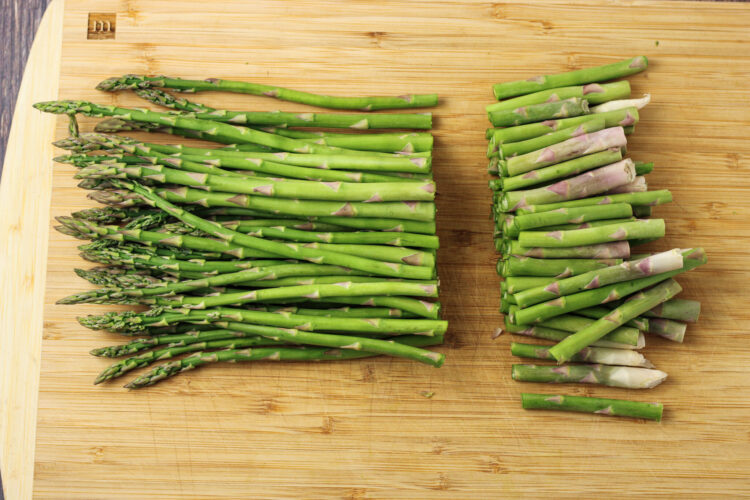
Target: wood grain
(363, 430)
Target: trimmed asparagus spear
(538, 112)
(615, 340)
(649, 198)
(285, 94)
(589, 183)
(505, 151)
(665, 328)
(626, 118)
(514, 284)
(648, 266)
(576, 215)
(571, 323)
(279, 118)
(614, 250)
(614, 376)
(575, 147)
(577, 77)
(559, 170)
(677, 309)
(526, 266)
(623, 103)
(600, 355)
(295, 189)
(594, 93)
(692, 258)
(612, 407)
(639, 185)
(640, 228)
(640, 303)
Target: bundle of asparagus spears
(569, 211)
(280, 243)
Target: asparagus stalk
(575, 147)
(629, 270)
(594, 93)
(295, 189)
(642, 211)
(613, 340)
(360, 121)
(639, 185)
(526, 266)
(623, 103)
(649, 198)
(614, 376)
(692, 258)
(514, 284)
(640, 303)
(578, 77)
(641, 228)
(285, 94)
(577, 215)
(505, 151)
(601, 406)
(677, 309)
(665, 328)
(571, 323)
(558, 171)
(589, 183)
(239, 135)
(574, 106)
(626, 118)
(614, 250)
(600, 355)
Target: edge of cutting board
(25, 193)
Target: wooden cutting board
(365, 429)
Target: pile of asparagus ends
(570, 210)
(280, 243)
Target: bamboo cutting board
(364, 429)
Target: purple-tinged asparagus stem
(587, 184)
(585, 144)
(611, 407)
(637, 229)
(577, 215)
(649, 198)
(614, 376)
(614, 250)
(574, 106)
(629, 270)
(639, 185)
(601, 355)
(639, 303)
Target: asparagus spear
(640, 228)
(614, 250)
(526, 266)
(505, 151)
(333, 102)
(295, 189)
(558, 171)
(594, 93)
(575, 147)
(622, 103)
(639, 185)
(538, 112)
(614, 376)
(601, 406)
(571, 323)
(626, 118)
(692, 258)
(589, 183)
(600, 355)
(281, 119)
(239, 135)
(576, 215)
(578, 77)
(649, 198)
(514, 284)
(613, 340)
(665, 328)
(648, 266)
(677, 309)
(640, 303)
